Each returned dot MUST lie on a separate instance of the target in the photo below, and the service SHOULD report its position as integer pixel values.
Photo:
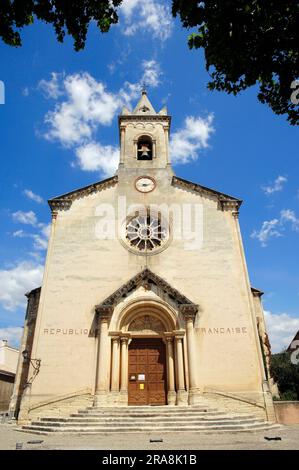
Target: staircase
(160, 419)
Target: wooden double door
(147, 372)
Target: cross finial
(143, 88)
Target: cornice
(188, 310)
(256, 292)
(65, 201)
(141, 117)
(226, 202)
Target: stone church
(146, 298)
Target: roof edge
(33, 291)
(199, 188)
(84, 188)
(256, 292)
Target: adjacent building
(8, 366)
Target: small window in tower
(144, 148)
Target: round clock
(145, 184)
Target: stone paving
(9, 436)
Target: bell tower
(144, 138)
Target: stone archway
(157, 311)
(149, 320)
(163, 317)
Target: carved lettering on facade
(238, 330)
(65, 331)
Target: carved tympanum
(146, 323)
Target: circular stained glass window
(146, 233)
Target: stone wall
(22, 373)
(60, 407)
(232, 404)
(287, 412)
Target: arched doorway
(150, 380)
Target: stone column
(191, 352)
(166, 133)
(154, 149)
(115, 364)
(135, 150)
(122, 145)
(181, 392)
(124, 364)
(103, 365)
(124, 370)
(171, 395)
(189, 312)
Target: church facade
(146, 298)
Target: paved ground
(9, 436)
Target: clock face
(145, 184)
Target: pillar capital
(124, 337)
(168, 335)
(169, 339)
(115, 339)
(104, 312)
(114, 334)
(189, 311)
(178, 334)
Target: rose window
(146, 233)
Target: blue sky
(236, 145)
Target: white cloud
(287, 215)
(96, 157)
(149, 17)
(34, 197)
(45, 230)
(19, 234)
(186, 142)
(18, 280)
(12, 334)
(28, 218)
(151, 74)
(268, 230)
(281, 329)
(86, 106)
(40, 240)
(51, 88)
(276, 186)
(275, 227)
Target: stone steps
(129, 421)
(104, 430)
(146, 415)
(147, 419)
(127, 424)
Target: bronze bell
(144, 151)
